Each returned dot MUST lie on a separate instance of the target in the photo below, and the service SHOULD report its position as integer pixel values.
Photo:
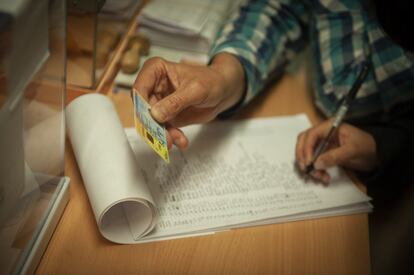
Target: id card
(150, 130)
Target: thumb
(334, 157)
(170, 106)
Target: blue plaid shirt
(266, 35)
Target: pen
(339, 116)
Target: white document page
(235, 173)
(238, 174)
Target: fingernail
(177, 141)
(158, 112)
(319, 165)
(180, 142)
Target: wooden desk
(337, 245)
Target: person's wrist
(229, 68)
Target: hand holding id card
(150, 130)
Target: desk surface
(335, 245)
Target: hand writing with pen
(350, 147)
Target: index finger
(313, 137)
(147, 78)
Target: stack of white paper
(189, 25)
(235, 173)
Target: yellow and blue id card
(150, 130)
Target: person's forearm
(264, 35)
(233, 75)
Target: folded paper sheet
(115, 188)
(235, 174)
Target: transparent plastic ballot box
(33, 188)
